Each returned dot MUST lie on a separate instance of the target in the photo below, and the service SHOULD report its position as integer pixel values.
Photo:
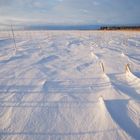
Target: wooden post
(15, 47)
(127, 68)
(102, 67)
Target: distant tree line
(120, 28)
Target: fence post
(102, 67)
(127, 68)
(15, 47)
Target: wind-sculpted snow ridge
(70, 85)
(133, 80)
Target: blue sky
(70, 12)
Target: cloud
(71, 11)
(37, 4)
(5, 2)
(96, 3)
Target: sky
(70, 12)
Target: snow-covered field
(53, 86)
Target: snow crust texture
(70, 85)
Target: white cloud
(38, 4)
(96, 3)
(70, 11)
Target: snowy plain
(70, 85)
